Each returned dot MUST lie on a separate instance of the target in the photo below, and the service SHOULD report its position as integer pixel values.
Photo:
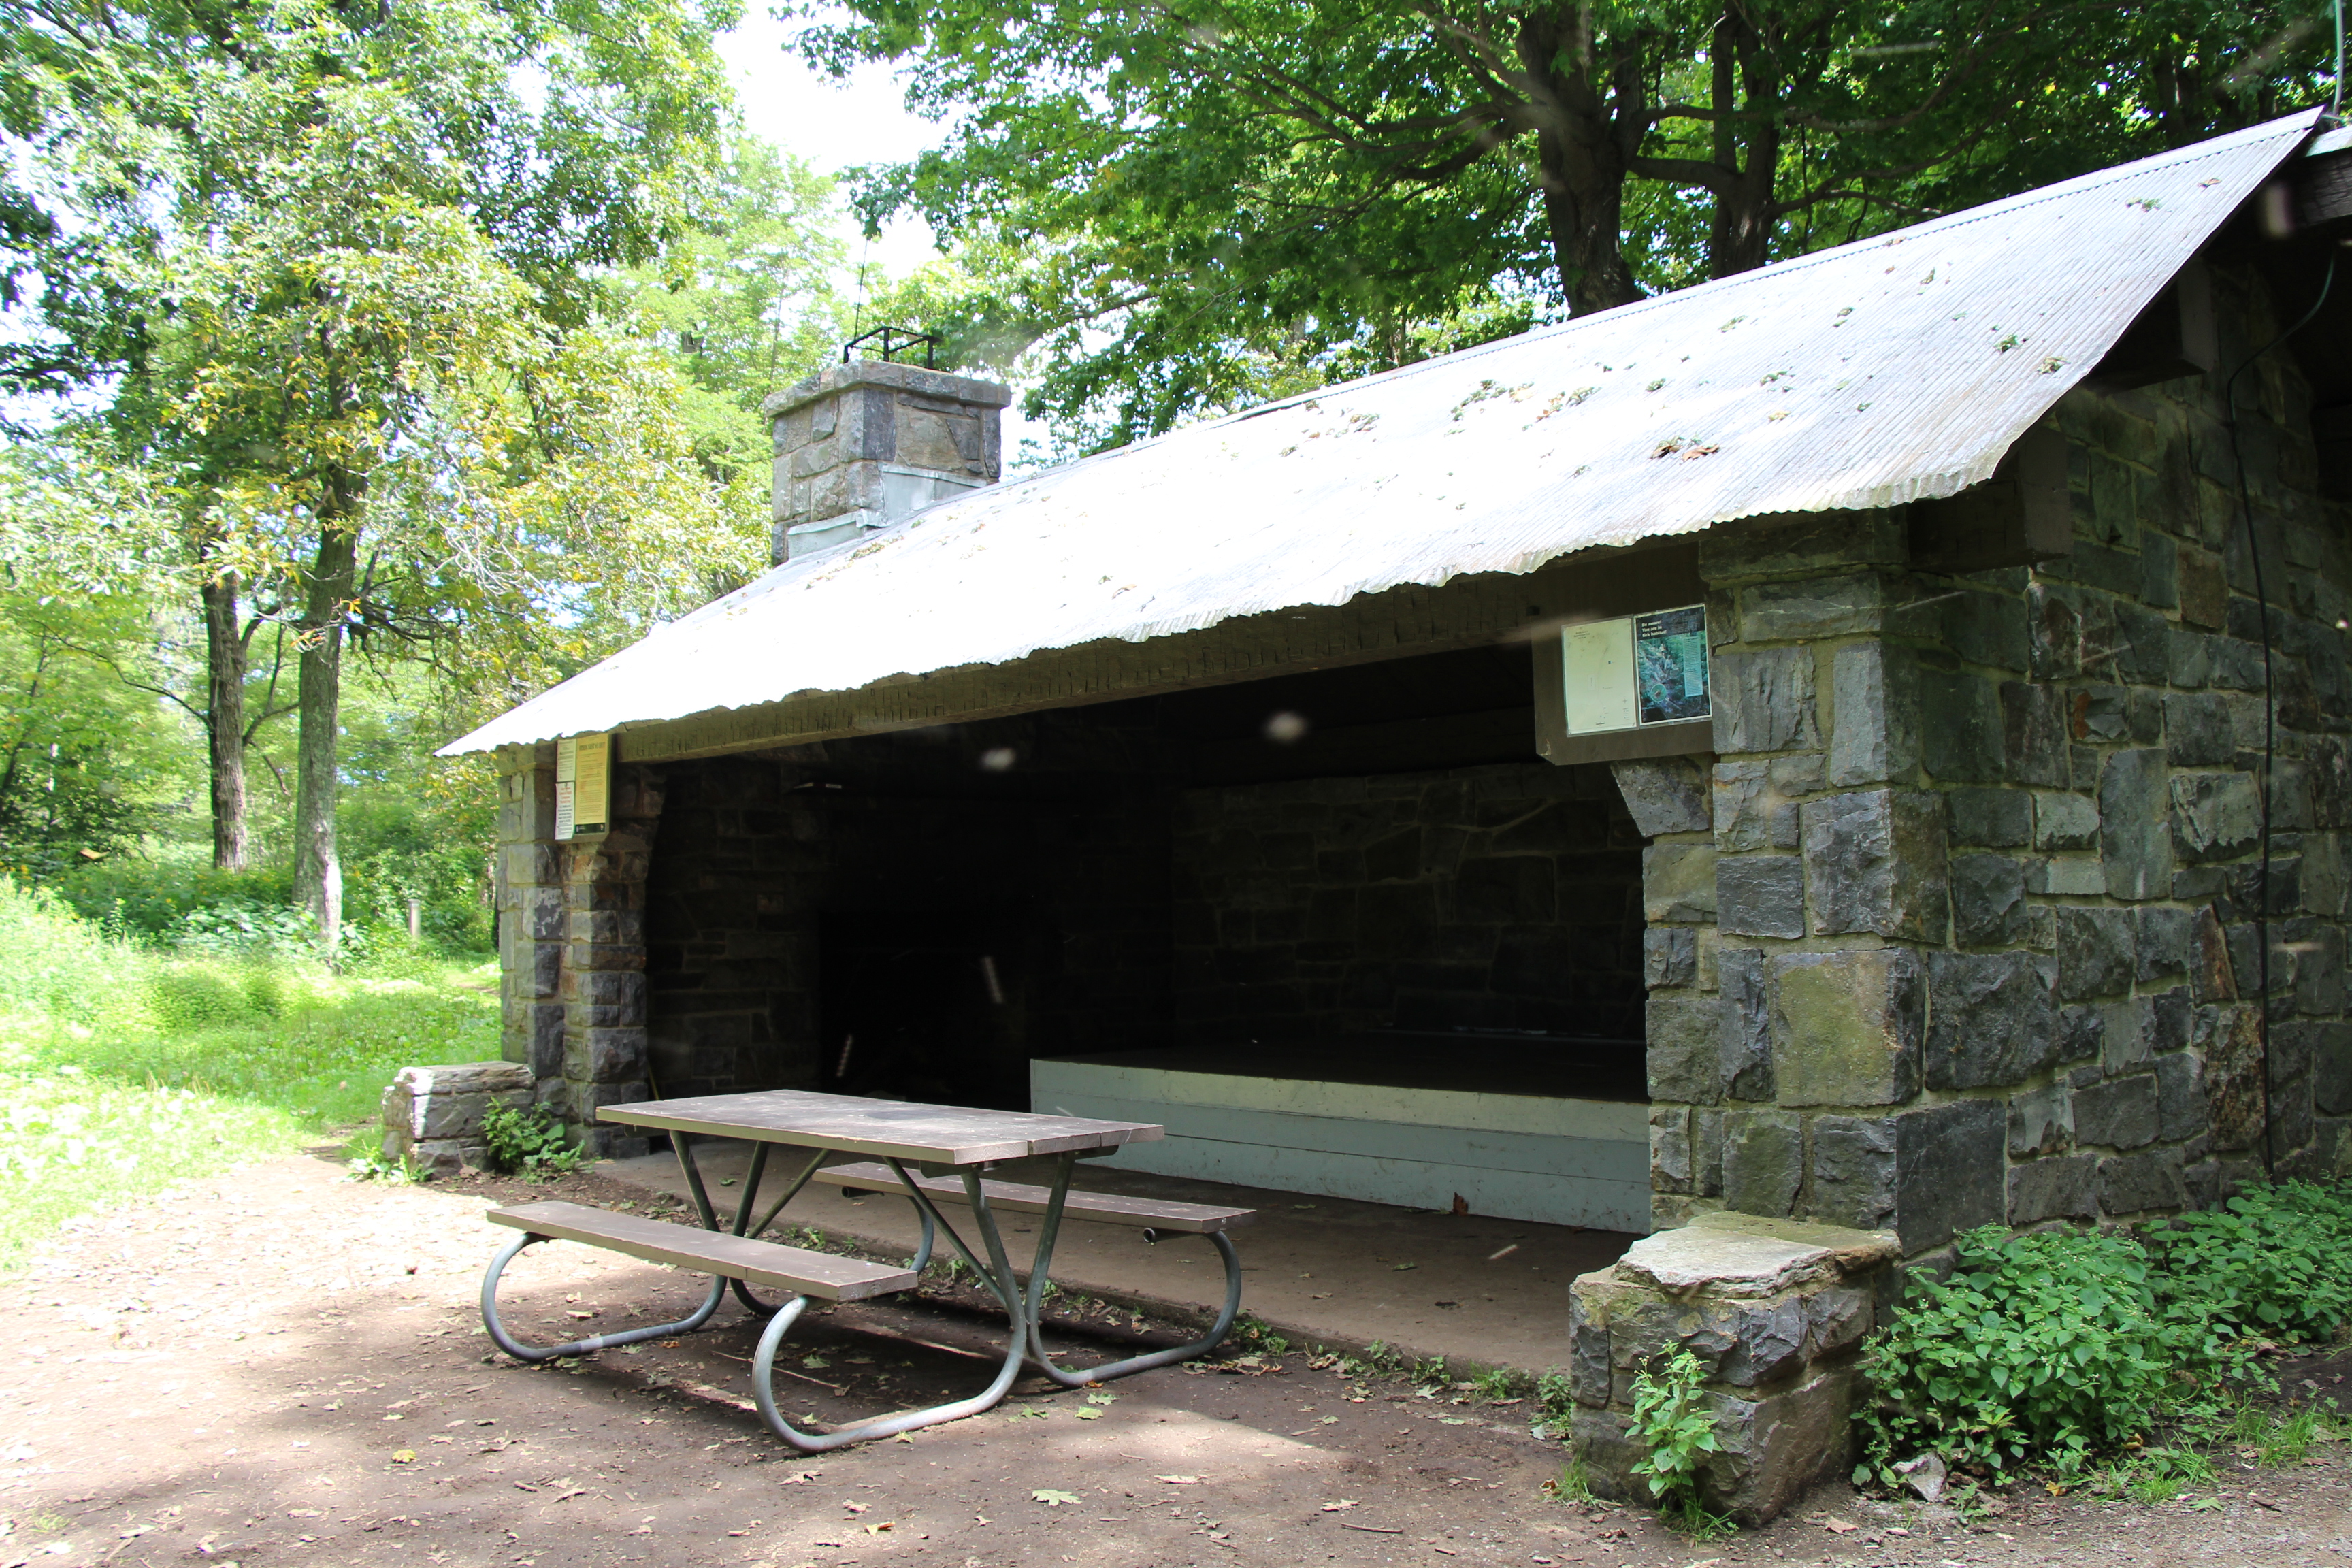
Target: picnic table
(950, 1148)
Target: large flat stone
(1664, 795)
(1876, 862)
(1846, 1027)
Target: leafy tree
(364, 250)
(1209, 199)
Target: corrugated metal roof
(1886, 370)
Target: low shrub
(2037, 1349)
(2273, 1261)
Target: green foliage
(2047, 1348)
(529, 1143)
(1501, 1384)
(1251, 1332)
(1178, 208)
(123, 1067)
(1673, 1419)
(1555, 1396)
(2273, 1261)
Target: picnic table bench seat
(797, 1269)
(1016, 1197)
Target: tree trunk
(334, 578)
(1584, 149)
(1740, 236)
(225, 666)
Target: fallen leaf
(857, 1507)
(1335, 1507)
(1053, 1499)
(405, 1457)
(879, 1528)
(1091, 1414)
(1840, 1526)
(1179, 1481)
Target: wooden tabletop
(895, 1130)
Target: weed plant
(1675, 1421)
(125, 1066)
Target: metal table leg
(1047, 1233)
(997, 1271)
(506, 1341)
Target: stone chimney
(861, 444)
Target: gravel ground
(281, 1366)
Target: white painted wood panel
(1562, 1162)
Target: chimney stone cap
(884, 372)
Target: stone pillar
(861, 444)
(1776, 1311)
(1668, 798)
(531, 913)
(603, 983)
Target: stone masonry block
(1990, 818)
(2041, 1121)
(2181, 1097)
(1959, 726)
(1874, 733)
(2135, 847)
(2034, 734)
(1683, 1047)
(2064, 821)
(1951, 1171)
(1763, 1161)
(1669, 956)
(1846, 1027)
(2120, 1114)
(1988, 908)
(1764, 701)
(1678, 883)
(2053, 1189)
(1664, 795)
(1807, 608)
(2096, 956)
(1761, 895)
(1745, 1023)
(1854, 1171)
(1991, 1020)
(1670, 1149)
(1751, 810)
(2215, 816)
(1876, 862)
(2142, 1183)
(1772, 1450)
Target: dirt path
(282, 1367)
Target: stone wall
(888, 852)
(1492, 897)
(1965, 933)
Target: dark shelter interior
(1361, 874)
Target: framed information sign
(583, 785)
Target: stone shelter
(1811, 763)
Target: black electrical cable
(2270, 705)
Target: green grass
(123, 1070)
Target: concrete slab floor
(1323, 1271)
